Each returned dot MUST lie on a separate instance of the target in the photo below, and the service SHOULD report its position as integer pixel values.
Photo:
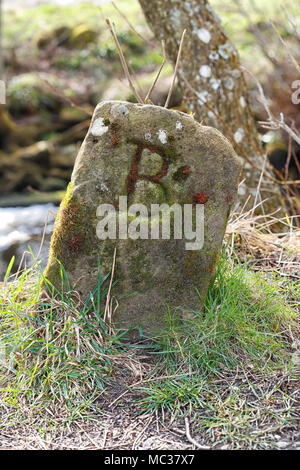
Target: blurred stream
(23, 226)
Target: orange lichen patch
(200, 198)
(133, 174)
(74, 243)
(229, 199)
(115, 138)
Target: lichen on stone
(205, 71)
(203, 34)
(162, 136)
(98, 127)
(150, 155)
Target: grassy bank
(224, 368)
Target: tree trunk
(210, 75)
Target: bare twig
(259, 184)
(263, 44)
(64, 97)
(296, 65)
(151, 43)
(272, 122)
(104, 438)
(190, 438)
(227, 128)
(263, 98)
(176, 68)
(108, 307)
(123, 62)
(140, 435)
(158, 73)
(296, 161)
(280, 124)
(288, 160)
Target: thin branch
(296, 160)
(273, 123)
(255, 31)
(123, 62)
(190, 438)
(281, 124)
(64, 97)
(263, 98)
(259, 185)
(158, 73)
(226, 127)
(296, 65)
(151, 43)
(288, 160)
(107, 312)
(176, 68)
(262, 171)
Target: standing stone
(151, 155)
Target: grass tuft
(245, 324)
(228, 366)
(54, 348)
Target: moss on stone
(198, 162)
(71, 237)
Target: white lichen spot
(211, 11)
(103, 187)
(203, 34)
(205, 71)
(229, 83)
(242, 189)
(162, 136)
(225, 50)
(175, 17)
(242, 102)
(98, 128)
(223, 53)
(189, 9)
(147, 136)
(119, 110)
(230, 95)
(203, 97)
(238, 135)
(213, 55)
(236, 73)
(211, 115)
(269, 137)
(215, 83)
(192, 9)
(179, 125)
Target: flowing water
(23, 226)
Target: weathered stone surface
(151, 155)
